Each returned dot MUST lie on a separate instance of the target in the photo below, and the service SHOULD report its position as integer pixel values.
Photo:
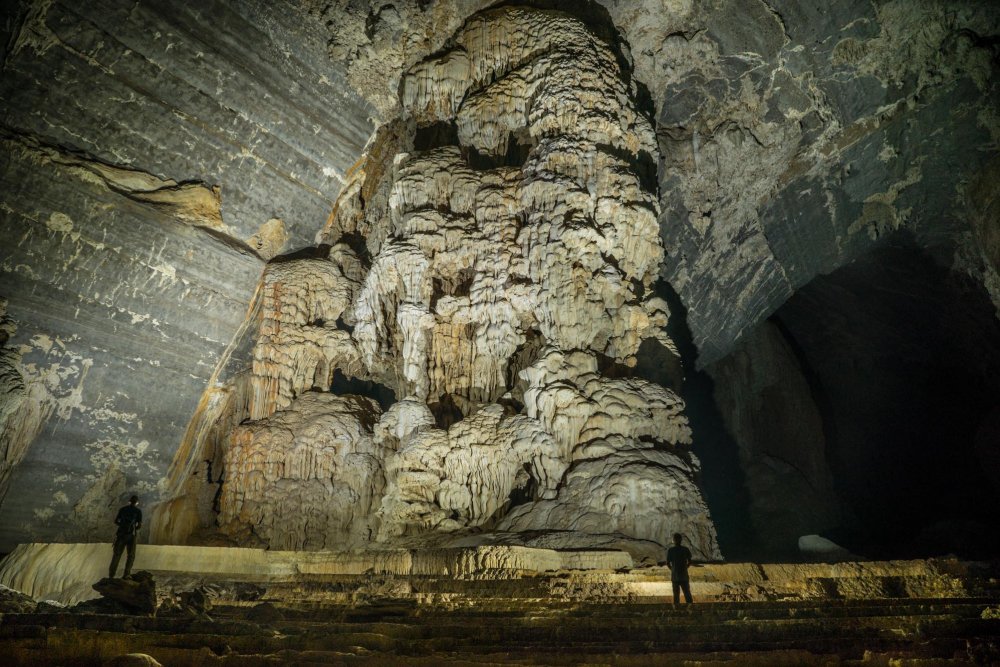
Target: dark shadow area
(904, 360)
(642, 164)
(518, 149)
(525, 489)
(435, 135)
(356, 242)
(525, 355)
(343, 384)
(446, 412)
(308, 252)
(722, 477)
(656, 363)
(344, 326)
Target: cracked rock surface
(154, 154)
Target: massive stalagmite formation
(490, 270)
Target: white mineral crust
(506, 298)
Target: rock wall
(794, 136)
(906, 381)
(158, 154)
(769, 408)
(798, 137)
(154, 155)
(505, 247)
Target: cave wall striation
(154, 156)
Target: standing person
(679, 558)
(129, 521)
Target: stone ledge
(481, 575)
(65, 572)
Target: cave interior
(375, 242)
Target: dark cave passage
(722, 479)
(903, 359)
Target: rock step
(243, 643)
(608, 614)
(527, 629)
(623, 613)
(550, 642)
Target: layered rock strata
(489, 278)
(154, 155)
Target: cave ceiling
(158, 157)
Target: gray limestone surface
(154, 156)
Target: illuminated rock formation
(299, 344)
(308, 477)
(513, 256)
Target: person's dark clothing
(129, 521)
(679, 558)
(681, 586)
(122, 542)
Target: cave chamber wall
(154, 156)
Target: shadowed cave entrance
(902, 360)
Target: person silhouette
(129, 522)
(679, 558)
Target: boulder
(821, 550)
(187, 604)
(133, 660)
(265, 612)
(137, 593)
(15, 602)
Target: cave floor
(504, 605)
(756, 633)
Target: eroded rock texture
(795, 136)
(502, 292)
(154, 155)
(305, 478)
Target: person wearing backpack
(129, 521)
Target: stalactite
(299, 345)
(509, 270)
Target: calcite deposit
(299, 344)
(305, 478)
(12, 395)
(487, 276)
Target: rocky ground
(499, 607)
(190, 628)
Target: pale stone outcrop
(24, 403)
(463, 477)
(309, 477)
(512, 261)
(299, 345)
(636, 490)
(12, 395)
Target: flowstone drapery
(491, 268)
